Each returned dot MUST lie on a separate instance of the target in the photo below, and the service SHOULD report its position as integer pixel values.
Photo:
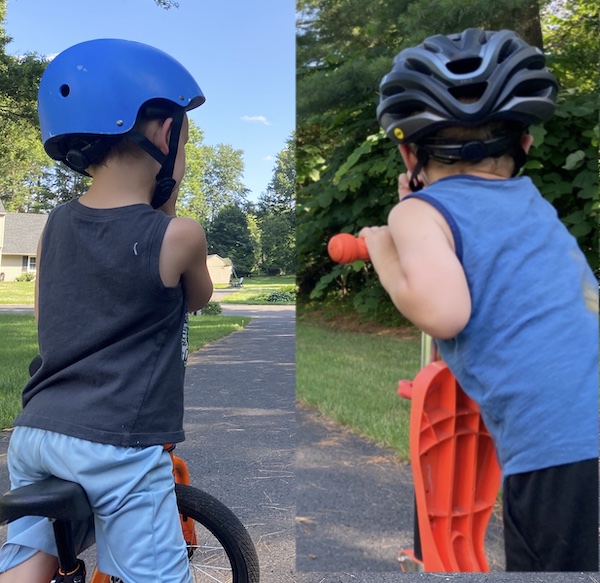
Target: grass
(255, 288)
(352, 378)
(18, 345)
(17, 292)
(14, 292)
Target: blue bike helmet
(95, 90)
(465, 79)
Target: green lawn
(352, 378)
(18, 345)
(255, 290)
(17, 292)
(252, 292)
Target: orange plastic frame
(455, 471)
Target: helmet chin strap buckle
(162, 192)
(77, 160)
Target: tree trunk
(528, 24)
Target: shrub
(283, 294)
(26, 277)
(211, 309)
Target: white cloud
(269, 158)
(258, 118)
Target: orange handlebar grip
(346, 248)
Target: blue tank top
(110, 333)
(529, 353)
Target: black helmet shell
(469, 79)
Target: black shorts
(551, 519)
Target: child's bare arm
(183, 256)
(415, 260)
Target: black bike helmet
(92, 93)
(465, 79)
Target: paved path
(240, 429)
(354, 502)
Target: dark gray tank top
(110, 332)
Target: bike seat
(52, 498)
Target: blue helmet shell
(97, 87)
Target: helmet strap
(165, 183)
(451, 151)
(422, 157)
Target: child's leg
(551, 519)
(38, 569)
(131, 491)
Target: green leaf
(357, 154)
(314, 175)
(588, 192)
(539, 134)
(574, 160)
(585, 179)
(580, 230)
(533, 165)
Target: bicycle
(218, 545)
(455, 471)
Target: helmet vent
(468, 93)
(432, 47)
(419, 66)
(464, 66)
(65, 90)
(506, 51)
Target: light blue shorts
(131, 491)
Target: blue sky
(241, 52)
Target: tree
(229, 236)
(191, 201)
(222, 178)
(19, 80)
(23, 166)
(277, 216)
(280, 196)
(278, 249)
(572, 35)
(347, 168)
(167, 4)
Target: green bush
(280, 296)
(211, 309)
(26, 277)
(285, 293)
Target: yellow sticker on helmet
(398, 133)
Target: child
(480, 261)
(118, 272)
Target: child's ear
(526, 142)
(410, 160)
(163, 134)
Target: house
(19, 236)
(220, 269)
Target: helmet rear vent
(432, 47)
(419, 66)
(464, 66)
(65, 90)
(507, 50)
(468, 93)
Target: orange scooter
(455, 472)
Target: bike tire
(234, 558)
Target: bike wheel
(220, 548)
